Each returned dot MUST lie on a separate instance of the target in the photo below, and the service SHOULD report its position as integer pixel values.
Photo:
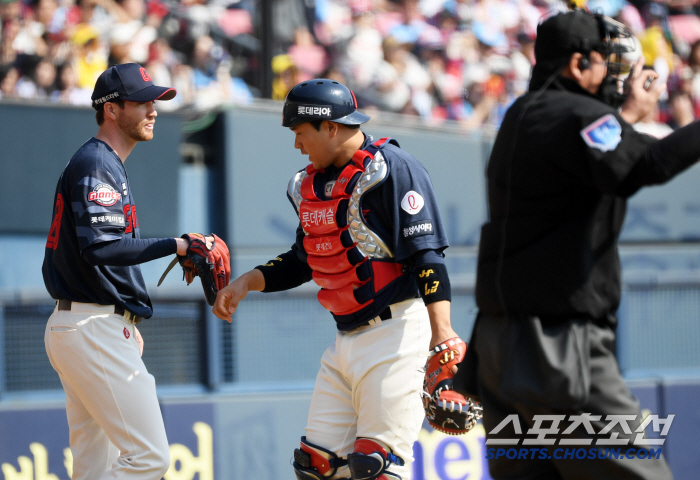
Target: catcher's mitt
(211, 264)
(446, 410)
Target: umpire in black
(548, 280)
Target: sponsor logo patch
(329, 188)
(124, 189)
(323, 111)
(412, 202)
(103, 194)
(107, 98)
(604, 134)
(126, 333)
(418, 229)
(324, 216)
(107, 220)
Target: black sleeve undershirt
(431, 276)
(129, 251)
(285, 272)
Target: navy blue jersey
(404, 213)
(403, 210)
(93, 204)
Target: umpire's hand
(643, 92)
(228, 297)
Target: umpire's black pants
(518, 366)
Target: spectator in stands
(286, 76)
(651, 125)
(120, 41)
(68, 91)
(8, 80)
(309, 57)
(680, 109)
(10, 29)
(441, 60)
(90, 59)
(39, 82)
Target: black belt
(118, 309)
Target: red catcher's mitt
(446, 410)
(211, 265)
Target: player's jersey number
(52, 241)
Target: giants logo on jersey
(103, 194)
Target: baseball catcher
(208, 261)
(446, 410)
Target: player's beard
(137, 131)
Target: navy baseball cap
(128, 81)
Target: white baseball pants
(116, 428)
(369, 386)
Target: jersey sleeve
(612, 149)
(417, 224)
(97, 205)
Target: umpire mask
(620, 46)
(562, 34)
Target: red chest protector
(350, 263)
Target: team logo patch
(103, 194)
(604, 134)
(412, 202)
(323, 111)
(328, 188)
(144, 75)
(418, 229)
(126, 333)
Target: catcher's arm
(440, 324)
(446, 410)
(228, 297)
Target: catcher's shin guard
(312, 462)
(371, 460)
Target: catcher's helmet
(321, 99)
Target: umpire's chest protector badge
(604, 134)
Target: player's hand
(227, 300)
(228, 297)
(139, 339)
(182, 244)
(643, 91)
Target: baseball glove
(446, 410)
(211, 264)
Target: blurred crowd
(462, 60)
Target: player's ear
(109, 108)
(332, 128)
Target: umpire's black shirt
(561, 169)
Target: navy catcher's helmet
(321, 99)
